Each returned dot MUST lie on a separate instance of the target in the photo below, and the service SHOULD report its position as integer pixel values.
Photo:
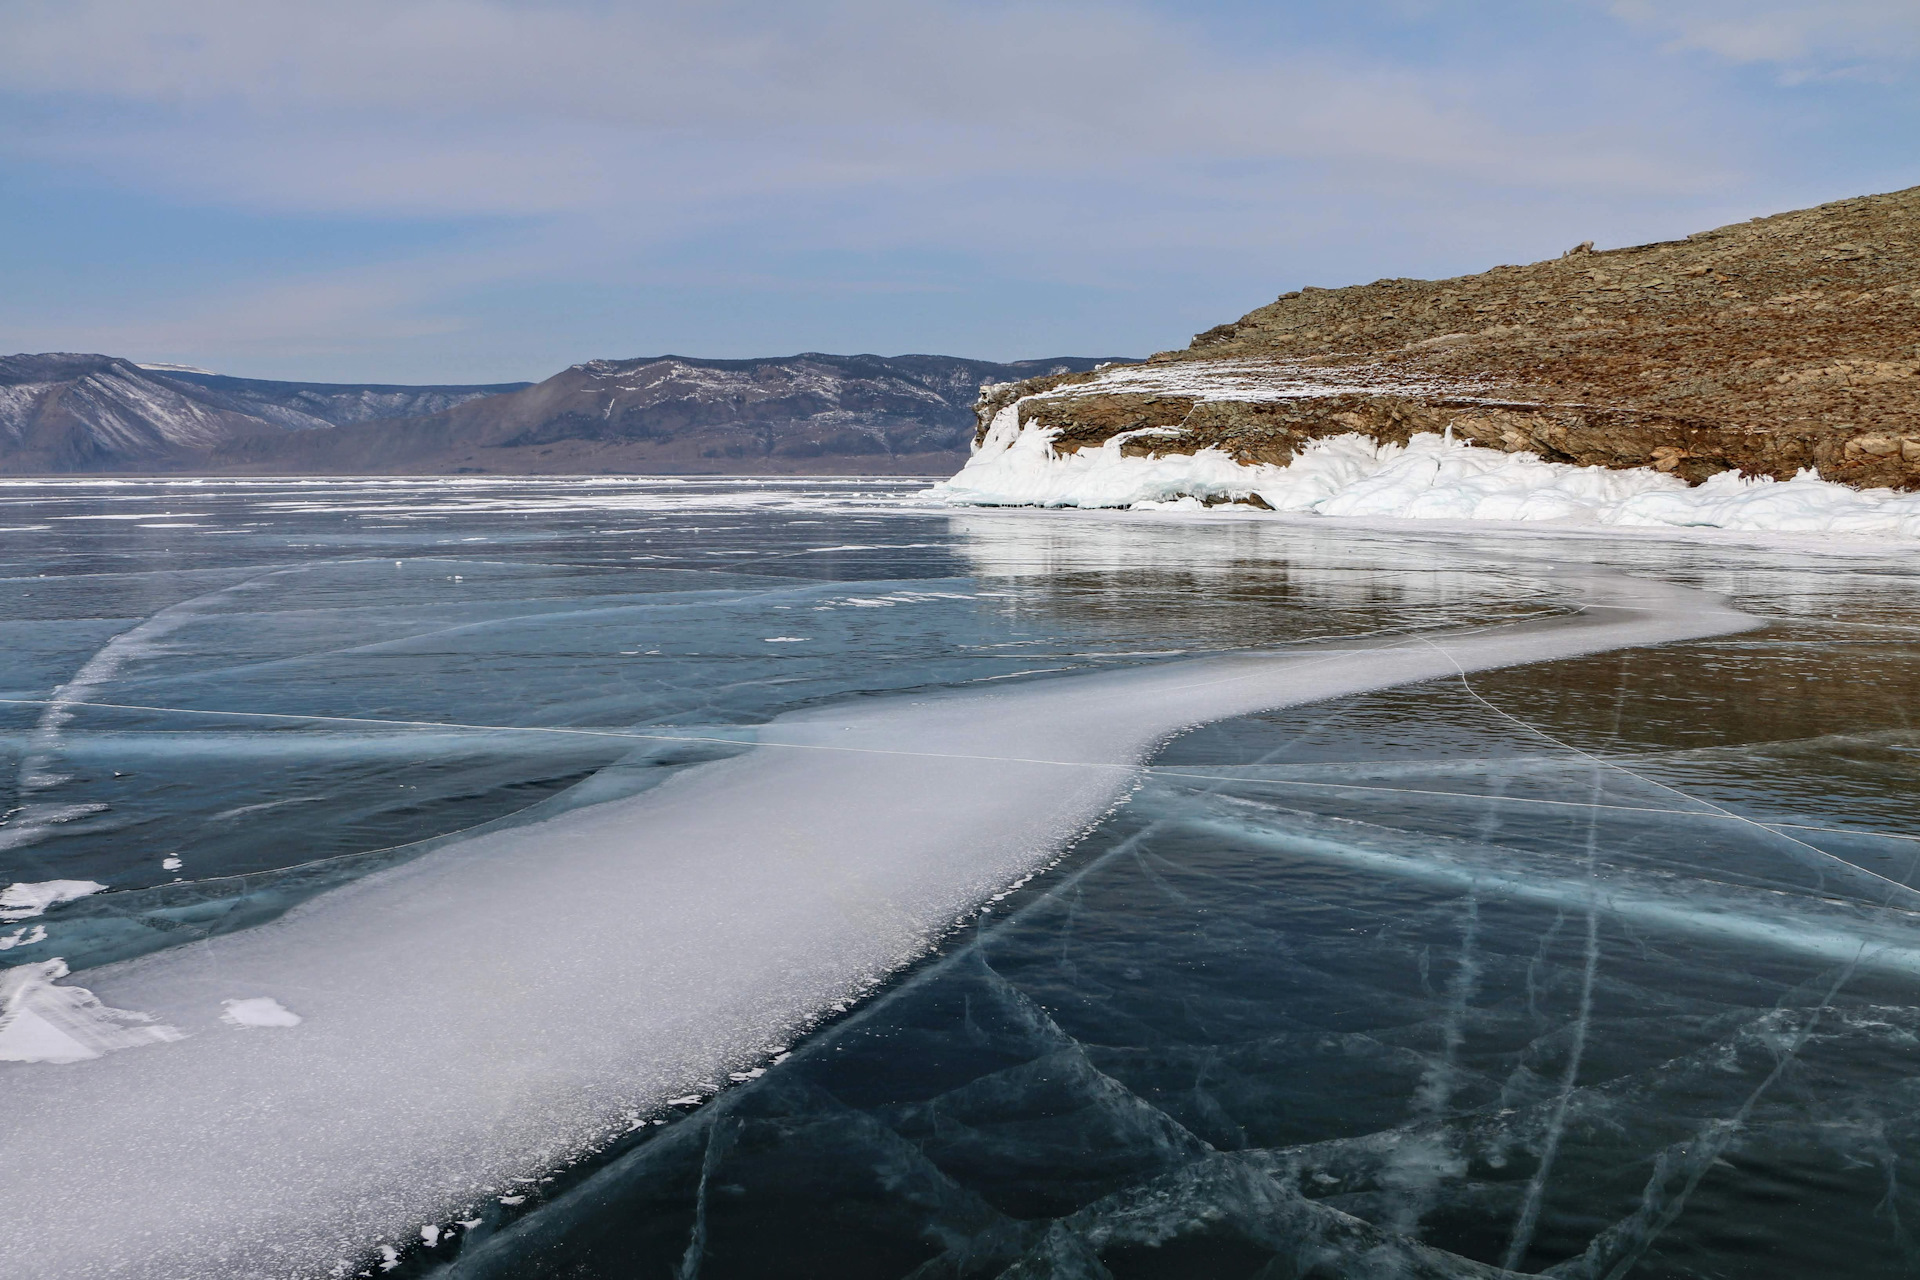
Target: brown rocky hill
(1786, 342)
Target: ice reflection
(1236, 584)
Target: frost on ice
(1431, 478)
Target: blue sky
(454, 190)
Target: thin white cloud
(642, 157)
(470, 106)
(304, 317)
(1802, 36)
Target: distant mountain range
(810, 413)
(80, 413)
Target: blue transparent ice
(1595, 964)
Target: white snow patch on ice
(42, 1022)
(258, 1011)
(1431, 478)
(20, 901)
(690, 927)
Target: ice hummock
(1432, 477)
(25, 900)
(43, 1022)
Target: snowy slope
(846, 414)
(79, 412)
(861, 414)
(801, 405)
(305, 406)
(74, 409)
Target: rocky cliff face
(1764, 347)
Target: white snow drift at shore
(1432, 478)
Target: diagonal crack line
(1620, 1247)
(1716, 813)
(1910, 896)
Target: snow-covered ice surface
(1432, 478)
(501, 837)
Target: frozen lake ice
(1088, 894)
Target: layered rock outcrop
(1765, 347)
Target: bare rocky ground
(1765, 347)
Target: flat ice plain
(388, 1053)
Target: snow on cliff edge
(1433, 477)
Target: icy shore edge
(1433, 477)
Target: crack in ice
(691, 925)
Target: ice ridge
(1432, 477)
(42, 1022)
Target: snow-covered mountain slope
(807, 413)
(801, 406)
(675, 414)
(68, 412)
(303, 406)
